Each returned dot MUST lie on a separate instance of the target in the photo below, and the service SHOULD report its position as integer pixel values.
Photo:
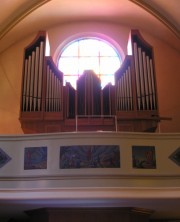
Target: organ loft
(49, 106)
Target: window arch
(89, 53)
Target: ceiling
(161, 18)
(19, 18)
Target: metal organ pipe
(47, 89)
(50, 90)
(146, 81)
(57, 81)
(130, 88)
(119, 94)
(41, 56)
(122, 92)
(141, 77)
(32, 82)
(122, 87)
(36, 79)
(28, 88)
(126, 91)
(149, 82)
(53, 91)
(137, 76)
(60, 94)
(153, 86)
(54, 94)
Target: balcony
(85, 169)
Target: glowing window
(89, 54)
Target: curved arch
(21, 15)
(96, 35)
(157, 15)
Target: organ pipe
(28, 86)
(141, 79)
(127, 89)
(153, 84)
(123, 82)
(40, 74)
(145, 80)
(137, 76)
(32, 82)
(130, 88)
(149, 82)
(53, 88)
(36, 79)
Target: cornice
(158, 15)
(89, 192)
(21, 16)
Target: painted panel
(35, 158)
(89, 156)
(175, 156)
(144, 157)
(4, 158)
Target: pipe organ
(33, 75)
(54, 88)
(129, 105)
(124, 87)
(89, 94)
(136, 97)
(42, 89)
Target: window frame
(100, 37)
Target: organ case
(42, 89)
(129, 105)
(136, 94)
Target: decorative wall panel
(144, 157)
(35, 158)
(95, 156)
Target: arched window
(89, 54)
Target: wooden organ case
(42, 89)
(136, 95)
(129, 105)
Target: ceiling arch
(156, 16)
